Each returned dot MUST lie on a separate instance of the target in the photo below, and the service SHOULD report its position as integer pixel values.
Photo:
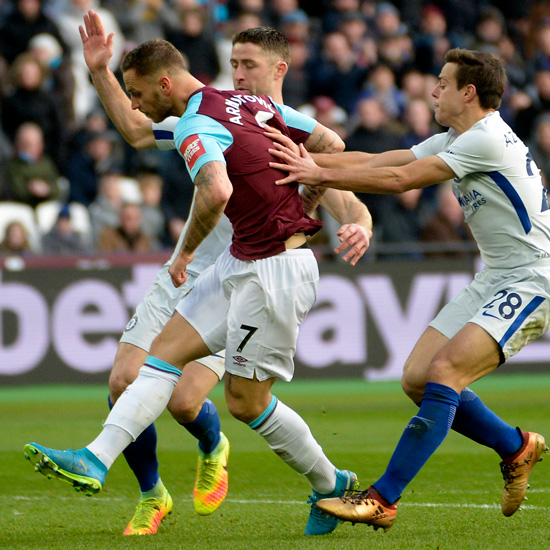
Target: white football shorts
(254, 309)
(156, 309)
(512, 305)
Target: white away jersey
(499, 188)
(220, 237)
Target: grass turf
(453, 504)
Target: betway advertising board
(63, 324)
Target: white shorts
(254, 310)
(155, 310)
(512, 305)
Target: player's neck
(469, 118)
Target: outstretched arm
(134, 126)
(390, 180)
(213, 192)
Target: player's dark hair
(270, 40)
(147, 58)
(481, 69)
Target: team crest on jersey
(191, 150)
(131, 323)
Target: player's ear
(281, 68)
(165, 85)
(469, 92)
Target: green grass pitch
(453, 504)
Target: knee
(184, 408)
(119, 380)
(413, 384)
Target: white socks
(137, 408)
(290, 438)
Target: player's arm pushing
(356, 230)
(213, 192)
(134, 126)
(388, 180)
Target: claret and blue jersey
(226, 126)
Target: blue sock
(476, 421)
(141, 456)
(423, 435)
(206, 427)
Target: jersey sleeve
(429, 147)
(164, 133)
(200, 139)
(300, 126)
(473, 151)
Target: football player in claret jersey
(268, 227)
(506, 306)
(259, 59)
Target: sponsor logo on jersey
(191, 150)
(131, 323)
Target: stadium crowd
(69, 184)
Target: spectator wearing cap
(62, 238)
(58, 76)
(295, 26)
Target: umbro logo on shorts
(239, 359)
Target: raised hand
(98, 47)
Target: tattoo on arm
(206, 213)
(311, 197)
(322, 145)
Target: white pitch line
(293, 502)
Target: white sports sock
(136, 409)
(290, 438)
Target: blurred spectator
(28, 102)
(85, 168)
(62, 237)
(27, 19)
(401, 220)
(296, 83)
(193, 38)
(326, 112)
(537, 103)
(58, 79)
(418, 118)
(150, 185)
(68, 20)
(336, 72)
(146, 20)
(489, 30)
(447, 224)
(15, 240)
(105, 209)
(295, 26)
(338, 9)
(387, 21)
(381, 85)
(31, 174)
(372, 135)
(128, 235)
(280, 9)
(432, 40)
(539, 147)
